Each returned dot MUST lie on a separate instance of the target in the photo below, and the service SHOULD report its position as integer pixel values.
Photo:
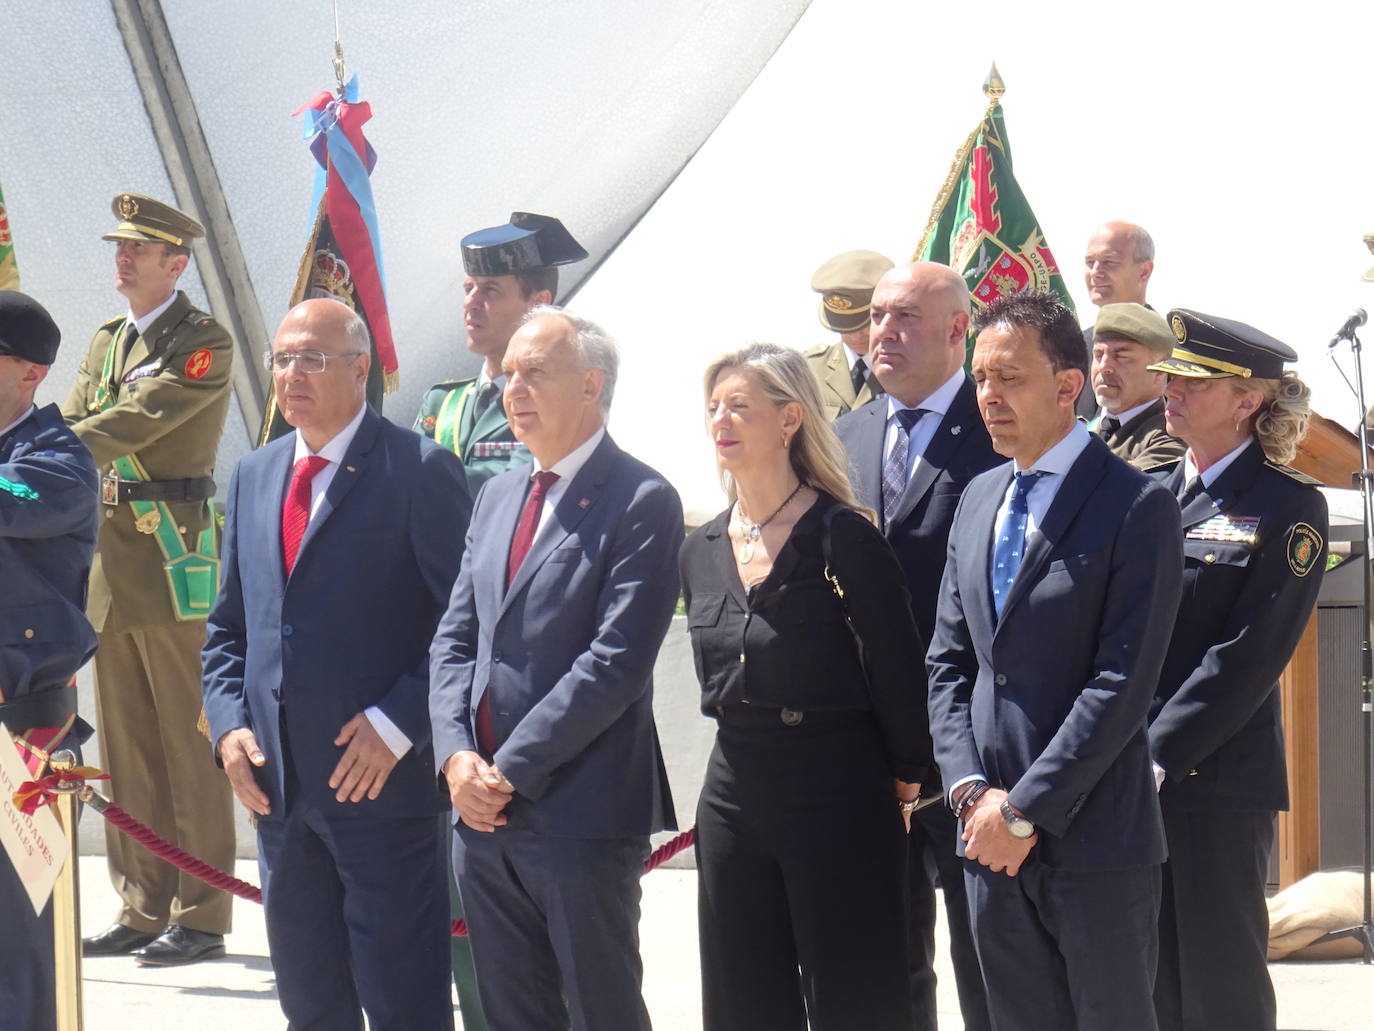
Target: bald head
(320, 402)
(1118, 263)
(920, 317)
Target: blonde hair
(815, 452)
(1280, 422)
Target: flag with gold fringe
(981, 224)
(9, 271)
(343, 257)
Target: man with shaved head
(341, 543)
(911, 453)
(1116, 270)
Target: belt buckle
(109, 489)
(792, 717)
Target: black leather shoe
(115, 940)
(180, 945)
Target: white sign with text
(35, 844)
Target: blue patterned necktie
(896, 466)
(1010, 546)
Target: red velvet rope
(183, 860)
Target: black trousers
(931, 855)
(1066, 950)
(801, 873)
(1214, 924)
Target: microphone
(1348, 327)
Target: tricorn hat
(525, 243)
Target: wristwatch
(1017, 824)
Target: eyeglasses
(309, 362)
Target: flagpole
(66, 909)
(993, 89)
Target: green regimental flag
(981, 225)
(9, 271)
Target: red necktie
(295, 513)
(519, 548)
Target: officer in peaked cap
(149, 401)
(48, 523)
(845, 284)
(1254, 551)
(509, 269)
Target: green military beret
(1135, 322)
(845, 284)
(142, 218)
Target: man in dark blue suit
(1061, 583)
(911, 454)
(48, 523)
(542, 695)
(341, 543)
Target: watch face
(1020, 828)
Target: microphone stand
(1364, 931)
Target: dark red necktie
(295, 512)
(520, 544)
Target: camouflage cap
(845, 284)
(142, 218)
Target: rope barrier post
(66, 907)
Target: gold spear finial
(339, 69)
(993, 86)
(1368, 277)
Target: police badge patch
(1304, 545)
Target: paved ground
(237, 992)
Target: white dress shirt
(1214, 470)
(334, 452)
(566, 467)
(144, 321)
(923, 430)
(1123, 417)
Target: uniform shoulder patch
(816, 352)
(1294, 474)
(1304, 546)
(199, 363)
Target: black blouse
(785, 643)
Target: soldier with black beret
(1254, 552)
(149, 401)
(48, 522)
(843, 368)
(510, 269)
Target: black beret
(27, 331)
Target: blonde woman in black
(820, 699)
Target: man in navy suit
(542, 695)
(341, 543)
(1060, 587)
(911, 454)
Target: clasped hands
(361, 771)
(478, 790)
(987, 838)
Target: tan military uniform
(171, 390)
(831, 367)
(1143, 441)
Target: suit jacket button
(791, 717)
(1000, 680)
(1210, 557)
(495, 656)
(28, 634)
(286, 630)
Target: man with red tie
(541, 695)
(339, 554)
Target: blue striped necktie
(896, 466)
(1010, 546)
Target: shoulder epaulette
(1294, 474)
(817, 351)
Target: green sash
(192, 576)
(446, 432)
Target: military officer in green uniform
(509, 269)
(845, 284)
(149, 402)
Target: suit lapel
(581, 496)
(351, 469)
(1222, 494)
(837, 377)
(980, 533)
(1079, 483)
(493, 421)
(949, 435)
(151, 343)
(867, 457)
(278, 476)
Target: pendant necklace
(753, 531)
